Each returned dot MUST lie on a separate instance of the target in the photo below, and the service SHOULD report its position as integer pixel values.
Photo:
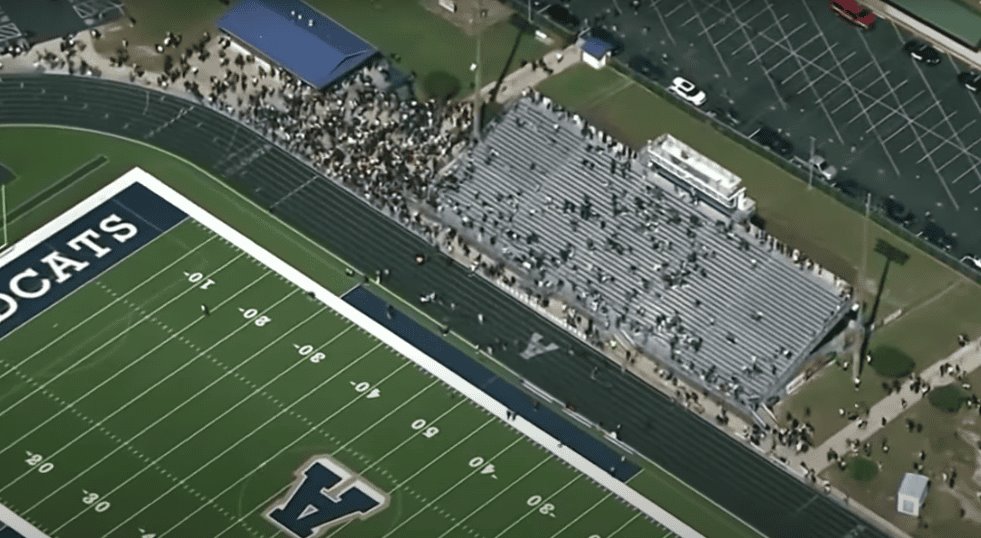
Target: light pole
(810, 167)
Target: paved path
(890, 407)
(526, 77)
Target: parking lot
(904, 131)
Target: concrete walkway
(965, 54)
(526, 77)
(891, 407)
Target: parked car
(821, 165)
(938, 236)
(853, 12)
(972, 261)
(687, 90)
(898, 212)
(970, 80)
(773, 140)
(922, 52)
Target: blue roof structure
(596, 47)
(297, 37)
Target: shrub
(948, 398)
(891, 362)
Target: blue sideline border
(483, 378)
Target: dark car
(922, 52)
(898, 212)
(938, 236)
(773, 140)
(970, 80)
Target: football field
(162, 375)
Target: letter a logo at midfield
(536, 347)
(326, 495)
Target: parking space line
(865, 94)
(893, 111)
(749, 41)
(881, 98)
(883, 77)
(951, 160)
(673, 11)
(801, 69)
(664, 23)
(708, 37)
(723, 19)
(938, 146)
(966, 172)
(806, 76)
(975, 189)
(847, 80)
(973, 165)
(773, 44)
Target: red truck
(854, 12)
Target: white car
(822, 167)
(972, 261)
(685, 89)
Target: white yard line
(253, 432)
(413, 475)
(96, 350)
(340, 449)
(140, 359)
(104, 308)
(581, 515)
(504, 490)
(448, 490)
(533, 510)
(624, 526)
(181, 406)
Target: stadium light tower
(477, 96)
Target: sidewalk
(890, 408)
(526, 77)
(965, 54)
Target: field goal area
(163, 375)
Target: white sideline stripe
(19, 524)
(179, 407)
(104, 308)
(118, 372)
(570, 456)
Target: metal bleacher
(580, 218)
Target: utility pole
(810, 167)
(859, 291)
(478, 97)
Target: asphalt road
(723, 469)
(893, 127)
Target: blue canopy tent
(298, 38)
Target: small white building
(595, 52)
(912, 493)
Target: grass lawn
(429, 44)
(938, 303)
(950, 440)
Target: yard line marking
(624, 526)
(533, 510)
(114, 376)
(498, 494)
(451, 488)
(283, 490)
(117, 337)
(216, 419)
(103, 309)
(344, 446)
(582, 514)
(253, 432)
(184, 403)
